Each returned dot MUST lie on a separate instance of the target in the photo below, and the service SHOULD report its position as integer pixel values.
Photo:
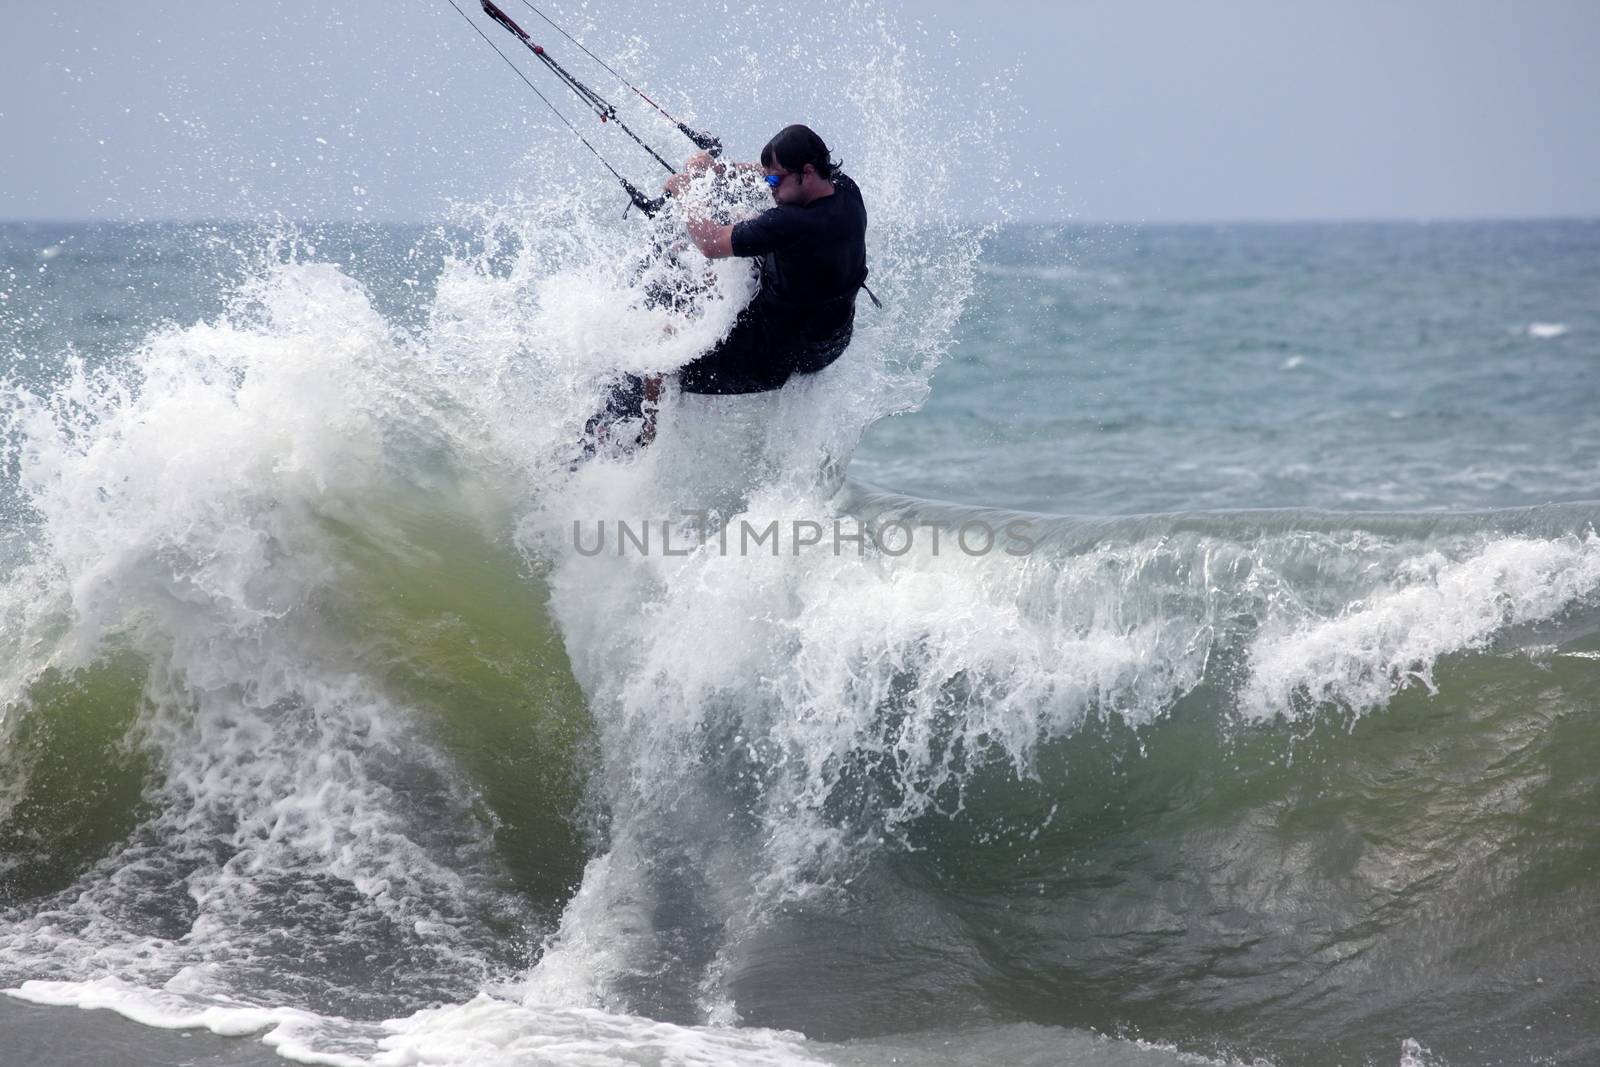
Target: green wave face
(454, 625)
(74, 778)
(1313, 891)
(424, 609)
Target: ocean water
(1218, 682)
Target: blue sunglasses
(774, 180)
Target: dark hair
(794, 147)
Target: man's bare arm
(714, 240)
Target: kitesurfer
(813, 253)
(812, 248)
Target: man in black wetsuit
(812, 247)
(813, 252)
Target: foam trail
(1434, 606)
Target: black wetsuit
(813, 262)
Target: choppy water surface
(318, 729)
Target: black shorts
(767, 345)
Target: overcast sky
(1128, 110)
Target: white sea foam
(1545, 331)
(493, 1033)
(1414, 1053)
(487, 1031)
(1435, 605)
(187, 514)
(294, 1033)
(481, 1032)
(1055, 272)
(774, 686)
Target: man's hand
(714, 240)
(696, 165)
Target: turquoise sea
(321, 738)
